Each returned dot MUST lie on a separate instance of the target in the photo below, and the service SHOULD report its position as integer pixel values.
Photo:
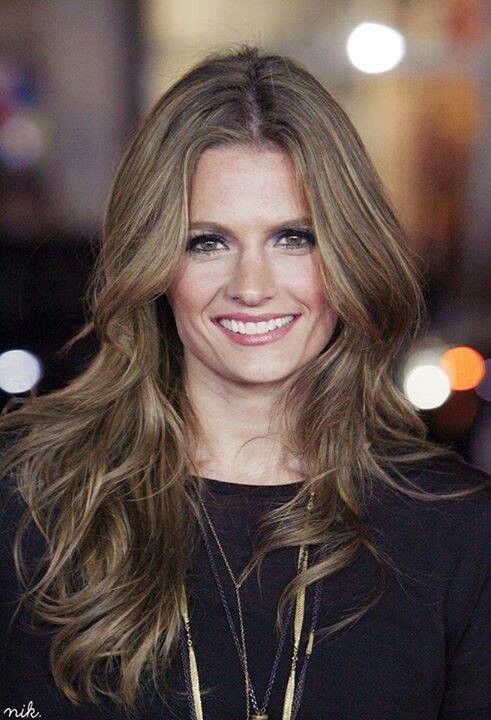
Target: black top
(421, 653)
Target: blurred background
(414, 76)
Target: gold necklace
(298, 626)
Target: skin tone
(255, 268)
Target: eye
(303, 238)
(206, 241)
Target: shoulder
(469, 513)
(452, 473)
(469, 485)
(452, 527)
(453, 476)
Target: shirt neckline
(225, 487)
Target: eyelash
(210, 237)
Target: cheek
(178, 292)
(307, 285)
(189, 295)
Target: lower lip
(260, 338)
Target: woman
(251, 297)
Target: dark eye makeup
(205, 239)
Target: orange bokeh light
(464, 366)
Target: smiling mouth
(251, 333)
(255, 328)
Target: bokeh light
(464, 366)
(375, 48)
(427, 386)
(20, 371)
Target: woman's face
(251, 258)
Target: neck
(243, 440)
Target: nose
(252, 279)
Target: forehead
(238, 180)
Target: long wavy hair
(105, 464)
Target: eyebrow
(295, 222)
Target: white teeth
(252, 328)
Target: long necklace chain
(292, 697)
(242, 651)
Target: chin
(263, 375)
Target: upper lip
(244, 317)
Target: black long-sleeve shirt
(421, 653)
